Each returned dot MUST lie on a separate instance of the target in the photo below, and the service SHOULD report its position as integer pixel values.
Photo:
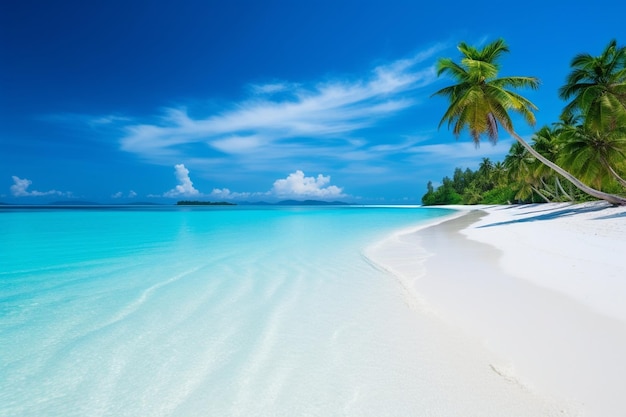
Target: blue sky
(129, 101)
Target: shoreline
(540, 286)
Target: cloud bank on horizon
(298, 185)
(20, 189)
(295, 185)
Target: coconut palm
(594, 154)
(546, 142)
(499, 173)
(485, 174)
(597, 86)
(481, 101)
(519, 167)
(485, 167)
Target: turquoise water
(204, 311)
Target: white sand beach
(542, 287)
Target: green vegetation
(203, 203)
(586, 147)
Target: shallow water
(233, 311)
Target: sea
(219, 311)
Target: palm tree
(499, 173)
(519, 166)
(485, 174)
(471, 195)
(485, 167)
(598, 87)
(594, 153)
(481, 101)
(546, 142)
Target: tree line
(581, 156)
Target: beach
(542, 287)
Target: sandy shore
(541, 286)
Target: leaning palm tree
(481, 101)
(597, 86)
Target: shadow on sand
(552, 214)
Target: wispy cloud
(108, 120)
(20, 189)
(333, 109)
(460, 150)
(88, 121)
(273, 88)
(119, 194)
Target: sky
(135, 101)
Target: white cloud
(226, 194)
(20, 189)
(132, 194)
(185, 186)
(329, 110)
(117, 195)
(297, 185)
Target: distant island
(204, 203)
(310, 203)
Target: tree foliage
(587, 147)
(470, 187)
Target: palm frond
(517, 82)
(493, 51)
(480, 70)
(446, 65)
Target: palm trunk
(547, 187)
(611, 198)
(540, 194)
(547, 191)
(612, 171)
(558, 183)
(556, 189)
